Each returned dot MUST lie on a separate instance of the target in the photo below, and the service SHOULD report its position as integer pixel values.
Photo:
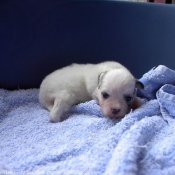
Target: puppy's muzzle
(115, 111)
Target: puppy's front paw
(55, 119)
(55, 115)
(136, 103)
(57, 111)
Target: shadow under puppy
(109, 82)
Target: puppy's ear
(100, 78)
(139, 85)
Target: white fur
(79, 83)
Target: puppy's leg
(57, 110)
(136, 103)
(62, 103)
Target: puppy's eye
(128, 98)
(105, 95)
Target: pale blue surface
(88, 143)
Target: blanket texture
(86, 142)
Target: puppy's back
(70, 79)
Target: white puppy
(108, 82)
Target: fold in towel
(166, 98)
(154, 80)
(87, 142)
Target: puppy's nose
(115, 111)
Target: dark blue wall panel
(39, 36)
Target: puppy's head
(116, 92)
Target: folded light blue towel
(155, 79)
(86, 142)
